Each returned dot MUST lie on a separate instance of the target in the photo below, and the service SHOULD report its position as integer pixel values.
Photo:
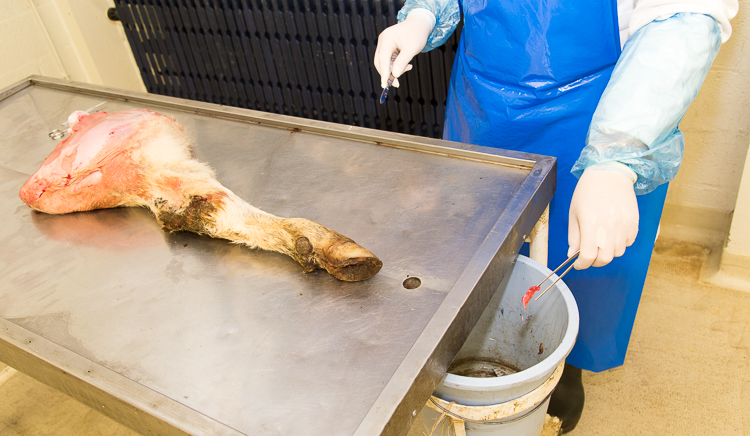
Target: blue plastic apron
(528, 76)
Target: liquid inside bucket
(481, 368)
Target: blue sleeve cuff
(659, 73)
(447, 14)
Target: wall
(65, 39)
(730, 267)
(716, 127)
(739, 234)
(25, 47)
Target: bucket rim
(539, 371)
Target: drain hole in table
(412, 283)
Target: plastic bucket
(535, 342)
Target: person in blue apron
(599, 85)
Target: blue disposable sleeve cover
(447, 15)
(659, 73)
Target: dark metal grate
(306, 58)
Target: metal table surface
(176, 333)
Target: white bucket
(535, 341)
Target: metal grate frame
(305, 58)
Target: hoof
(349, 262)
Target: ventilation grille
(305, 58)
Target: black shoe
(566, 401)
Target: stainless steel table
(184, 334)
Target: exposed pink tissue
(77, 159)
(98, 137)
(89, 181)
(527, 296)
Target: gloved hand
(603, 217)
(410, 37)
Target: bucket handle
(494, 413)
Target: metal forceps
(58, 133)
(391, 78)
(560, 276)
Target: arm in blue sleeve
(447, 15)
(659, 73)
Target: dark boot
(566, 401)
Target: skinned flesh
(141, 158)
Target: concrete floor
(687, 371)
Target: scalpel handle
(391, 78)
